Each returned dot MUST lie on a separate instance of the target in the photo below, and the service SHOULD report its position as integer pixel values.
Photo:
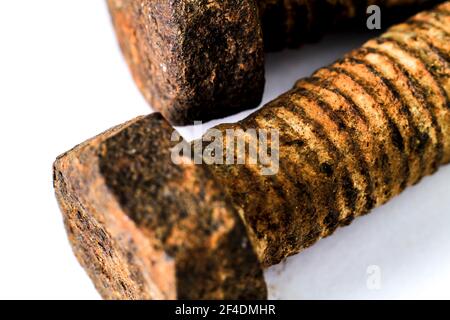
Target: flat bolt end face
(145, 227)
(193, 60)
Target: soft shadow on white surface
(407, 240)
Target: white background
(63, 80)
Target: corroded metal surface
(352, 137)
(201, 59)
(193, 60)
(145, 228)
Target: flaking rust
(144, 228)
(193, 60)
(352, 137)
(201, 59)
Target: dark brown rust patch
(198, 243)
(139, 214)
(193, 60)
(200, 60)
